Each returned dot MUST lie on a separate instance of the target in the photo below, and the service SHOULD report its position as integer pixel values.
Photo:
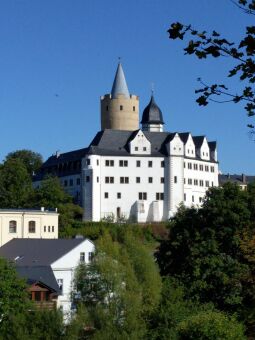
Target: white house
(42, 257)
(28, 223)
(135, 171)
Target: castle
(131, 172)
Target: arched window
(12, 227)
(31, 226)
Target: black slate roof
(43, 274)
(238, 179)
(152, 113)
(37, 252)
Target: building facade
(135, 172)
(21, 223)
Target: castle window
(162, 164)
(162, 179)
(150, 164)
(150, 180)
(184, 197)
(212, 168)
(144, 148)
(106, 195)
(206, 168)
(189, 165)
(195, 182)
(175, 179)
(87, 179)
(195, 167)
(201, 168)
(48, 228)
(123, 163)
(133, 108)
(207, 184)
(52, 228)
(44, 228)
(12, 227)
(159, 196)
(97, 179)
(200, 199)
(82, 257)
(109, 180)
(108, 162)
(190, 181)
(193, 199)
(184, 180)
(142, 196)
(136, 148)
(121, 107)
(201, 183)
(97, 161)
(184, 165)
(138, 180)
(138, 164)
(88, 161)
(118, 195)
(31, 227)
(124, 180)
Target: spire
(119, 85)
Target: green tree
(15, 185)
(32, 160)
(204, 249)
(204, 45)
(14, 301)
(210, 325)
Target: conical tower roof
(119, 85)
(152, 113)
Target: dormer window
(144, 148)
(136, 148)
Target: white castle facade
(141, 174)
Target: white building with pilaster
(133, 172)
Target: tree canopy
(204, 45)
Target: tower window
(133, 108)
(118, 195)
(121, 107)
(107, 108)
(175, 179)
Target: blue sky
(70, 48)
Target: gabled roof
(198, 141)
(119, 84)
(37, 252)
(212, 145)
(35, 274)
(184, 136)
(238, 179)
(152, 113)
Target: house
(49, 266)
(241, 180)
(28, 223)
(135, 171)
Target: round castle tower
(119, 109)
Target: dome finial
(152, 89)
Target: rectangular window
(193, 199)
(150, 164)
(206, 168)
(201, 183)
(195, 167)
(97, 161)
(109, 180)
(159, 196)
(124, 180)
(184, 197)
(184, 180)
(162, 164)
(65, 183)
(109, 162)
(123, 163)
(52, 228)
(82, 257)
(136, 148)
(195, 182)
(189, 165)
(184, 165)
(78, 181)
(142, 196)
(207, 184)
(162, 179)
(138, 180)
(133, 108)
(44, 228)
(87, 179)
(201, 168)
(212, 168)
(144, 148)
(189, 181)
(48, 228)
(97, 179)
(119, 195)
(175, 179)
(71, 182)
(121, 107)
(60, 283)
(200, 199)
(106, 195)
(91, 256)
(150, 180)
(88, 161)
(138, 164)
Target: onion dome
(152, 113)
